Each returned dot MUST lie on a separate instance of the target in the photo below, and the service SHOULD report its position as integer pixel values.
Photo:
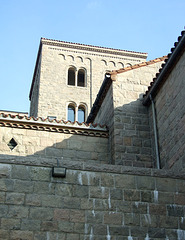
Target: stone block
(166, 184)
(4, 234)
(71, 203)
(116, 194)
(77, 216)
(157, 233)
(94, 217)
(119, 230)
(30, 225)
(67, 227)
(144, 182)
(5, 170)
(125, 181)
(131, 195)
(3, 211)
(51, 200)
(97, 192)
(176, 211)
(15, 198)
(61, 214)
(28, 235)
(155, 209)
(49, 226)
(80, 191)
(113, 218)
(21, 172)
(139, 207)
(40, 213)
(33, 200)
(10, 223)
(131, 219)
(100, 229)
(165, 198)
(18, 212)
(40, 174)
(2, 197)
(23, 186)
(146, 196)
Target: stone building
(70, 75)
(118, 176)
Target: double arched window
(76, 113)
(76, 78)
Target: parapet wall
(52, 139)
(91, 202)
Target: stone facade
(170, 114)
(91, 202)
(53, 140)
(50, 93)
(127, 118)
(63, 180)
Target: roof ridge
(138, 65)
(93, 46)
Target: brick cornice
(93, 48)
(39, 124)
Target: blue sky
(143, 26)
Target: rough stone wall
(106, 116)
(131, 121)
(55, 94)
(170, 111)
(34, 101)
(93, 202)
(54, 145)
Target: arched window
(71, 113)
(81, 78)
(81, 114)
(71, 76)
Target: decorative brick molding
(61, 126)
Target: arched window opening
(71, 76)
(71, 113)
(81, 114)
(81, 78)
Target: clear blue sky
(138, 25)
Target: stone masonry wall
(35, 95)
(55, 94)
(105, 116)
(54, 145)
(170, 111)
(131, 120)
(92, 202)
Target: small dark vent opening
(12, 144)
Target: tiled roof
(54, 125)
(143, 64)
(167, 67)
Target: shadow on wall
(132, 136)
(75, 148)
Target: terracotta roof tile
(46, 124)
(143, 64)
(166, 68)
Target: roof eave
(165, 70)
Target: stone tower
(67, 77)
